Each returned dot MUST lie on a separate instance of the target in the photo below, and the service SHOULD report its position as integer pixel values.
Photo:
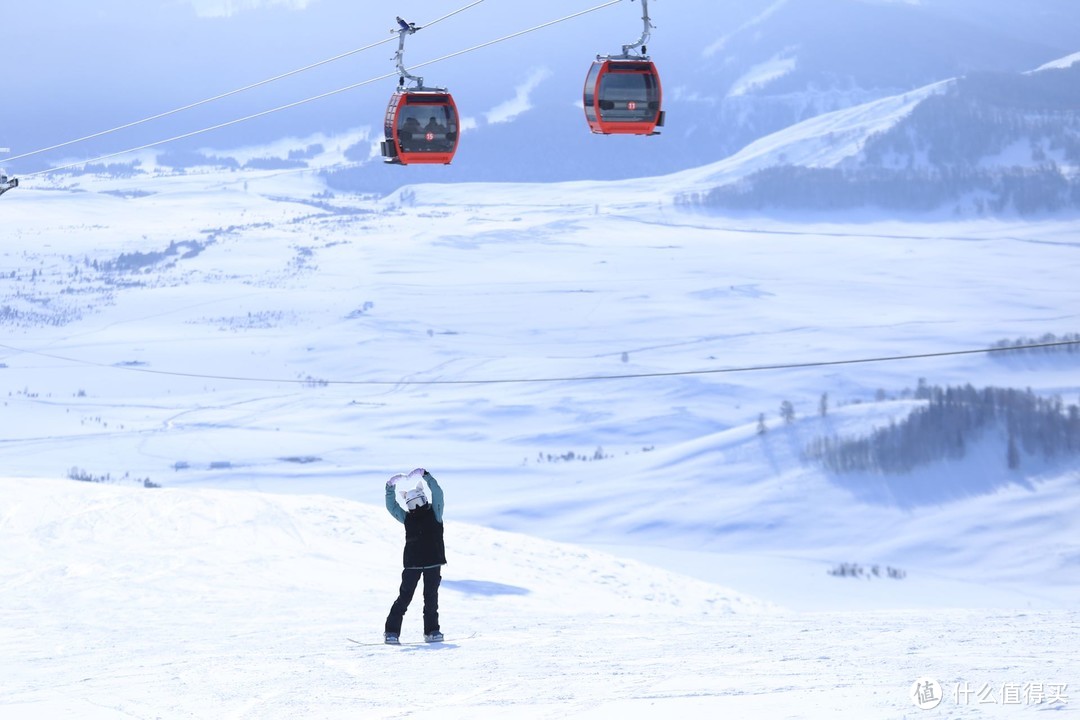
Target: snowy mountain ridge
(987, 142)
(826, 141)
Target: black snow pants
(410, 578)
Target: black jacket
(423, 539)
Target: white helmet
(415, 498)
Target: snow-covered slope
(125, 602)
(1060, 63)
(827, 140)
(997, 142)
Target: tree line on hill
(952, 420)
(1044, 345)
(1026, 191)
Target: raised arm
(436, 494)
(392, 505)
(436, 490)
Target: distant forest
(1027, 191)
(1028, 347)
(991, 143)
(951, 421)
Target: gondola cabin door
(421, 127)
(622, 97)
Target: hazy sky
(225, 8)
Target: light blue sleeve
(437, 499)
(392, 505)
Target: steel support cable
(580, 378)
(224, 95)
(219, 126)
(321, 96)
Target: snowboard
(444, 641)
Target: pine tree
(1013, 454)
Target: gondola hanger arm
(403, 30)
(645, 33)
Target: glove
(394, 480)
(417, 474)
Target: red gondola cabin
(421, 127)
(622, 97)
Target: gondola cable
(321, 96)
(230, 93)
(579, 378)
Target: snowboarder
(424, 553)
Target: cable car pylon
(622, 93)
(421, 125)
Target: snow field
(126, 602)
